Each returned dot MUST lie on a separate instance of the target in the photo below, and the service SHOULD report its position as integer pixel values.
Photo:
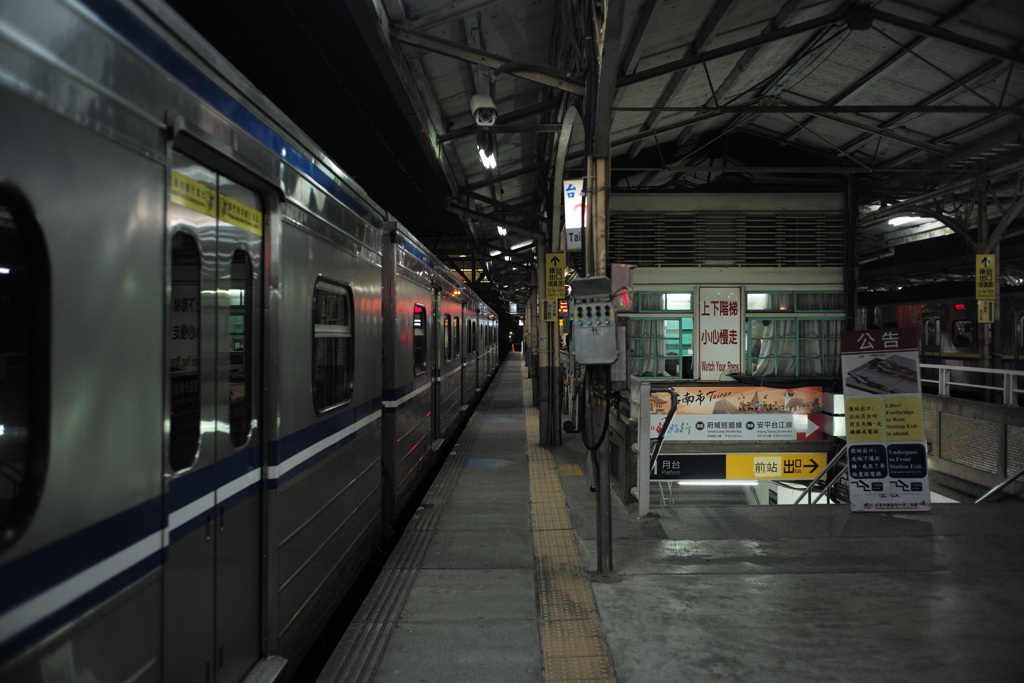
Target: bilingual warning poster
(884, 422)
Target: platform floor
(495, 580)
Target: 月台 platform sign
(738, 466)
(887, 455)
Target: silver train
(949, 333)
(223, 369)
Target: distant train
(224, 370)
(946, 317)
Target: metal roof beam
(829, 109)
(739, 46)
(490, 218)
(531, 72)
(450, 11)
(502, 177)
(947, 36)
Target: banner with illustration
(739, 414)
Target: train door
(458, 353)
(441, 334)
(931, 336)
(213, 504)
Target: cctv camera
(483, 109)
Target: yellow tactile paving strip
(571, 639)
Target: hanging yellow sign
(985, 276)
(554, 276)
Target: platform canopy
(913, 108)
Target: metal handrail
(1011, 383)
(999, 487)
(824, 471)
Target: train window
(963, 333)
(183, 352)
(447, 337)
(664, 301)
(24, 366)
(240, 349)
(930, 332)
(333, 347)
(419, 339)
(456, 339)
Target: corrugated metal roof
(916, 104)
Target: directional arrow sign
(554, 279)
(773, 465)
(985, 276)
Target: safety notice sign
(884, 422)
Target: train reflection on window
(333, 357)
(419, 339)
(183, 352)
(24, 369)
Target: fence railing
(1006, 384)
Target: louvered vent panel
(727, 239)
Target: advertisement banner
(884, 423)
(740, 414)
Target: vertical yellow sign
(985, 276)
(554, 276)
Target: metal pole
(603, 470)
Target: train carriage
(408, 385)
(193, 438)
(949, 331)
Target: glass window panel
(333, 362)
(963, 333)
(447, 337)
(664, 301)
(184, 352)
(820, 301)
(791, 347)
(660, 347)
(419, 339)
(240, 397)
(24, 363)
(770, 301)
(456, 339)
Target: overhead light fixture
(486, 145)
(502, 231)
(903, 220)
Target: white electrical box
(593, 322)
